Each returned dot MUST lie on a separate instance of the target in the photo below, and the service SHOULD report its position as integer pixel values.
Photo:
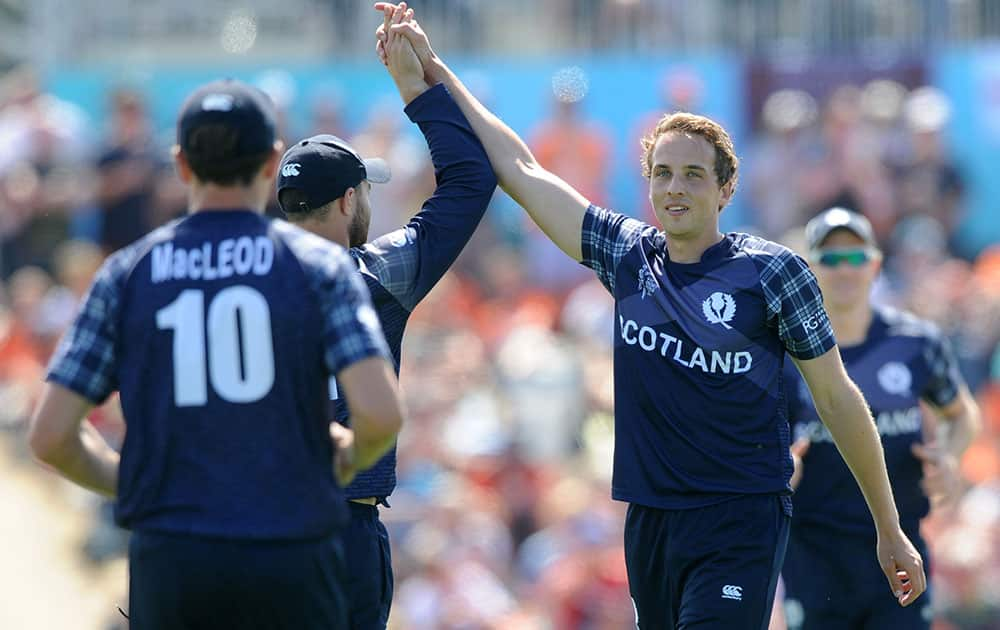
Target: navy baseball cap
(323, 167)
(820, 226)
(230, 103)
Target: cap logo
(291, 169)
(217, 103)
(838, 216)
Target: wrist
(434, 70)
(410, 89)
(888, 527)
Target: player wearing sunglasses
(899, 362)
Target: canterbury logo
(732, 592)
(719, 308)
(291, 169)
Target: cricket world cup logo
(647, 283)
(719, 308)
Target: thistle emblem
(895, 378)
(647, 283)
(719, 308)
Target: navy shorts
(369, 563)
(180, 582)
(833, 582)
(714, 567)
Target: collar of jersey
(715, 252)
(221, 212)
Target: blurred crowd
(503, 518)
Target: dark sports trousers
(833, 582)
(708, 568)
(369, 562)
(180, 582)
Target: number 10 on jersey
(231, 348)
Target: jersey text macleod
(233, 256)
(708, 361)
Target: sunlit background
(503, 518)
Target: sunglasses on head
(836, 257)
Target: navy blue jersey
(698, 352)
(401, 267)
(901, 361)
(220, 330)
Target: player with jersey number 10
(220, 331)
(704, 322)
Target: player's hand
(401, 60)
(798, 450)
(902, 565)
(387, 9)
(942, 481)
(409, 28)
(344, 463)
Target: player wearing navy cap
(898, 361)
(704, 320)
(324, 186)
(220, 331)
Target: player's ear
(727, 194)
(877, 263)
(347, 202)
(184, 171)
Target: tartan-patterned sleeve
(394, 259)
(410, 261)
(85, 360)
(607, 236)
(795, 305)
(946, 379)
(351, 330)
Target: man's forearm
(962, 424)
(368, 451)
(87, 460)
(853, 429)
(410, 88)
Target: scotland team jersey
(698, 353)
(401, 267)
(220, 331)
(902, 360)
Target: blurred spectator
(928, 183)
(384, 135)
(573, 148)
(578, 151)
(40, 179)
(775, 168)
(127, 170)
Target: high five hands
(397, 53)
(399, 24)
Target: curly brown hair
(726, 162)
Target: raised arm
(555, 206)
(410, 261)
